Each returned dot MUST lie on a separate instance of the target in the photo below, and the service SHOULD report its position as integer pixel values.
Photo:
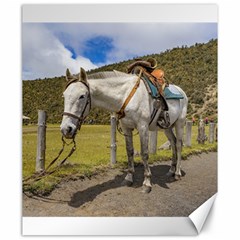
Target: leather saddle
(152, 74)
(153, 79)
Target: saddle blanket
(170, 92)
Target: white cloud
(142, 39)
(45, 56)
(131, 39)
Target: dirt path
(103, 195)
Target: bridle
(80, 118)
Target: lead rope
(40, 175)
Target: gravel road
(103, 195)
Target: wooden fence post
(113, 139)
(201, 132)
(211, 132)
(41, 141)
(188, 133)
(216, 133)
(153, 142)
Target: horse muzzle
(69, 131)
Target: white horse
(109, 90)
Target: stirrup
(163, 120)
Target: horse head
(77, 103)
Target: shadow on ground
(158, 177)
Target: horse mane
(107, 74)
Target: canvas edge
(199, 216)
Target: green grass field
(92, 154)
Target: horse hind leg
(172, 139)
(144, 134)
(179, 126)
(128, 181)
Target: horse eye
(82, 96)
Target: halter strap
(72, 115)
(79, 118)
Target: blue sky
(50, 48)
(97, 48)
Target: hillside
(193, 68)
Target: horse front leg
(144, 134)
(128, 181)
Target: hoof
(127, 183)
(146, 189)
(170, 174)
(178, 177)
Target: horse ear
(68, 74)
(82, 75)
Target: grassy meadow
(92, 154)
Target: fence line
(113, 158)
(202, 137)
(211, 132)
(153, 142)
(188, 140)
(153, 135)
(41, 141)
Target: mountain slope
(193, 68)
